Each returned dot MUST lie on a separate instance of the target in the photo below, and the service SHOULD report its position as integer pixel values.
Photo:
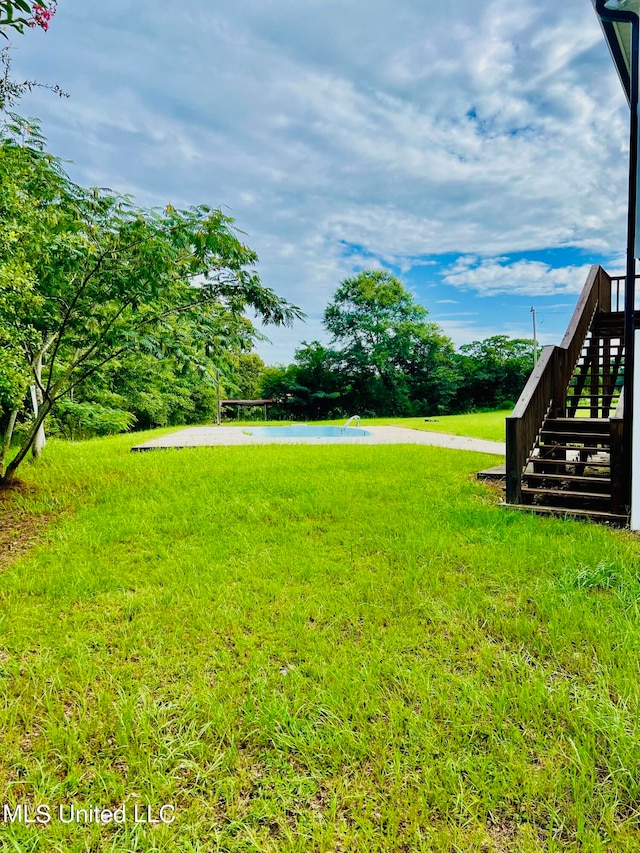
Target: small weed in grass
(601, 575)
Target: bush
(84, 420)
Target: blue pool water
(304, 431)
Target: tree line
(385, 358)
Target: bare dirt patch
(8, 491)
(19, 529)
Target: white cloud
(491, 276)
(350, 134)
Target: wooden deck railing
(617, 292)
(545, 391)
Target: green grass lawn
(325, 648)
(489, 425)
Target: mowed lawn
(325, 648)
(489, 425)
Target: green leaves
(8, 17)
(389, 354)
(39, 14)
(87, 278)
(87, 419)
(495, 371)
(22, 5)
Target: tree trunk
(40, 438)
(12, 467)
(6, 444)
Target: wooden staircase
(564, 439)
(569, 469)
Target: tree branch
(67, 316)
(87, 353)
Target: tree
(495, 371)
(280, 383)
(395, 361)
(101, 280)
(309, 388)
(22, 219)
(245, 375)
(318, 380)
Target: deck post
(616, 458)
(513, 461)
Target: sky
(478, 151)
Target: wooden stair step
(606, 405)
(571, 424)
(592, 496)
(587, 448)
(612, 329)
(538, 460)
(561, 478)
(596, 515)
(566, 421)
(593, 426)
(609, 318)
(593, 437)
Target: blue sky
(478, 150)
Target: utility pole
(535, 338)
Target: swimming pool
(306, 431)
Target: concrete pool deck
(215, 436)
